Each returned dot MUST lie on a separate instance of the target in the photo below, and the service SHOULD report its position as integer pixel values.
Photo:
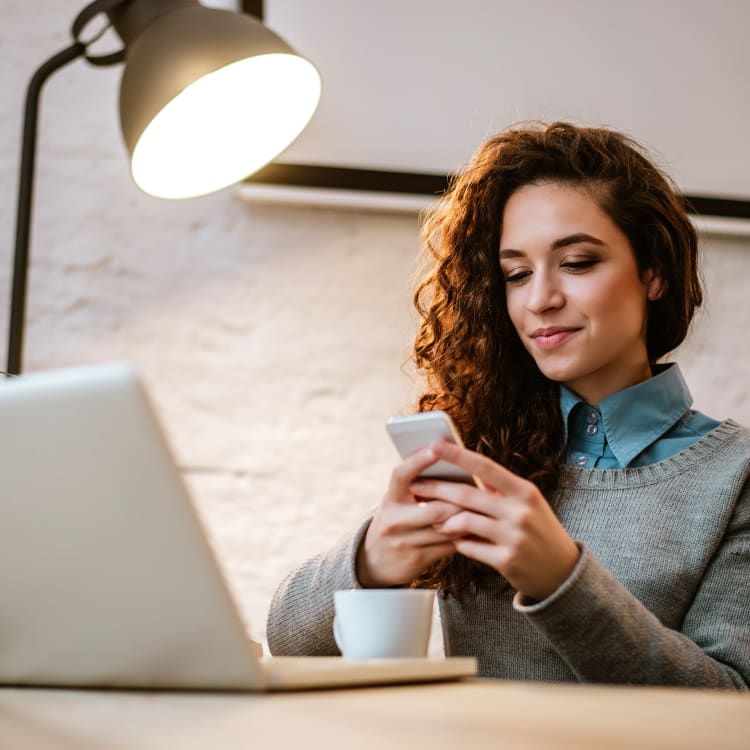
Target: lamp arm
(25, 195)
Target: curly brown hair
(475, 366)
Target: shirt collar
(661, 401)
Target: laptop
(107, 578)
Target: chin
(560, 374)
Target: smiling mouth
(553, 337)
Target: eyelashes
(573, 266)
(579, 265)
(514, 278)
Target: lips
(548, 338)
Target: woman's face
(574, 292)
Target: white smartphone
(414, 431)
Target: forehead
(547, 211)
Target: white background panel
(415, 85)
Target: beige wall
(272, 338)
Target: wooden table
(471, 715)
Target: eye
(516, 276)
(580, 265)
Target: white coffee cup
(383, 623)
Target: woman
(612, 540)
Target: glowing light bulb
(226, 125)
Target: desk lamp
(207, 97)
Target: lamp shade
(207, 98)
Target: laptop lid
(106, 575)
(106, 578)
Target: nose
(544, 293)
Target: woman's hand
(402, 539)
(508, 525)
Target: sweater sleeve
(606, 634)
(300, 619)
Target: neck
(599, 386)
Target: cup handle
(337, 634)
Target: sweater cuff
(356, 541)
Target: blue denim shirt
(640, 425)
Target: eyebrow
(571, 239)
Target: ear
(655, 285)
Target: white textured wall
(272, 338)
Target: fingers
(407, 518)
(431, 513)
(507, 524)
(407, 471)
(490, 472)
(467, 524)
(426, 537)
(397, 559)
(465, 496)
(480, 551)
(436, 552)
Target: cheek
(515, 306)
(617, 304)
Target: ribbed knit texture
(660, 595)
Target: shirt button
(592, 417)
(582, 460)
(592, 429)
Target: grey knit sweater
(660, 595)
